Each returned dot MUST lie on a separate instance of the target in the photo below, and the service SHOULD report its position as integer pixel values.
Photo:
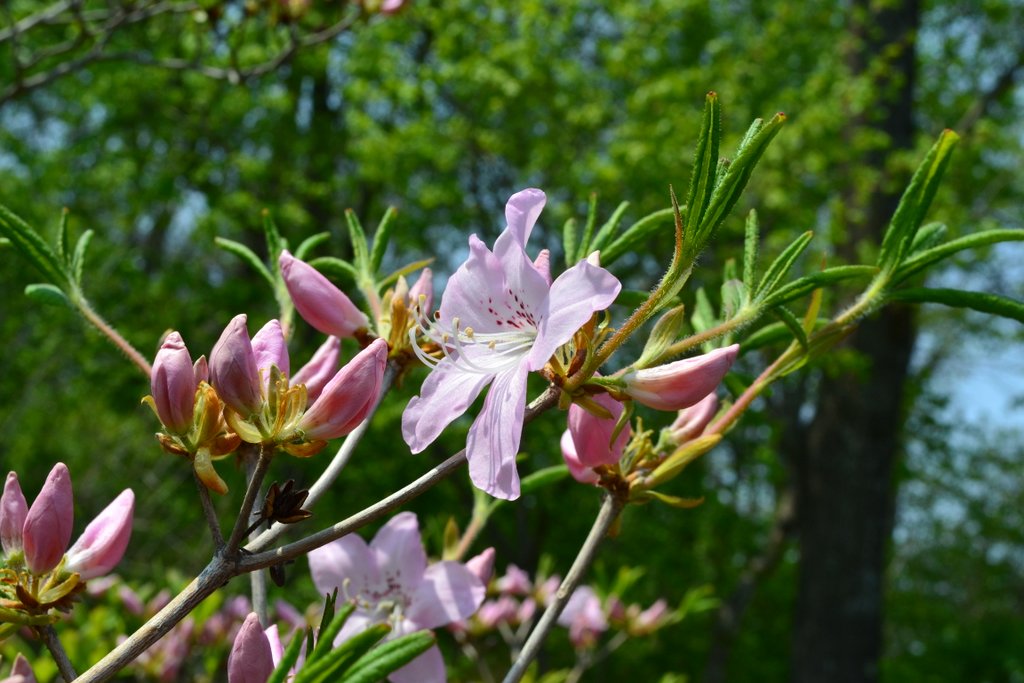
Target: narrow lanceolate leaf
(919, 262)
(246, 254)
(792, 324)
(78, 259)
(329, 667)
(705, 167)
(637, 234)
(291, 655)
(62, 238)
(751, 242)
(588, 229)
(928, 236)
(985, 302)
(732, 184)
(356, 234)
(325, 640)
(781, 265)
(608, 230)
(543, 477)
(703, 317)
(570, 238)
(381, 238)
(676, 501)
(774, 333)
(33, 247)
(335, 267)
(275, 243)
(309, 244)
(378, 663)
(48, 294)
(915, 202)
(404, 270)
(808, 283)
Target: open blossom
(389, 581)
(500, 318)
(680, 384)
(45, 528)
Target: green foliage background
(443, 111)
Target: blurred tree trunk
(844, 467)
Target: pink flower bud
(320, 369)
(579, 471)
(269, 348)
(424, 286)
(651, 618)
(21, 671)
(233, 370)
(202, 370)
(101, 546)
(592, 435)
(690, 422)
(250, 660)
(173, 384)
(48, 524)
(349, 396)
(482, 566)
(683, 383)
(515, 581)
(13, 510)
(318, 301)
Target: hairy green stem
(113, 335)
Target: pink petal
(521, 212)
(445, 395)
(233, 370)
(250, 660)
(690, 422)
(47, 529)
(683, 383)
(349, 396)
(592, 435)
(399, 551)
(449, 592)
(424, 287)
(427, 668)
(482, 565)
(347, 565)
(13, 510)
(476, 292)
(320, 369)
(542, 264)
(269, 348)
(579, 471)
(575, 296)
(173, 384)
(101, 546)
(494, 437)
(22, 668)
(318, 301)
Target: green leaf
(985, 302)
(378, 663)
(920, 261)
(248, 255)
(570, 233)
(33, 247)
(728, 190)
(50, 295)
(664, 333)
(808, 283)
(62, 237)
(356, 234)
(275, 244)
(751, 242)
(676, 501)
(732, 298)
(915, 202)
(4, 242)
(309, 244)
(927, 236)
(636, 235)
(588, 229)
(703, 317)
(328, 667)
(543, 477)
(794, 325)
(705, 167)
(325, 639)
(288, 659)
(609, 229)
(336, 267)
(781, 265)
(381, 239)
(404, 270)
(78, 258)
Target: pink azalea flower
(389, 581)
(682, 383)
(583, 617)
(500, 319)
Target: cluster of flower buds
(39, 571)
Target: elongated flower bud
(579, 471)
(349, 396)
(269, 348)
(21, 671)
(233, 370)
(320, 369)
(680, 384)
(482, 566)
(690, 422)
(318, 301)
(173, 384)
(47, 529)
(13, 510)
(101, 546)
(250, 660)
(592, 435)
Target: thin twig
(256, 476)
(209, 513)
(611, 508)
(52, 642)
